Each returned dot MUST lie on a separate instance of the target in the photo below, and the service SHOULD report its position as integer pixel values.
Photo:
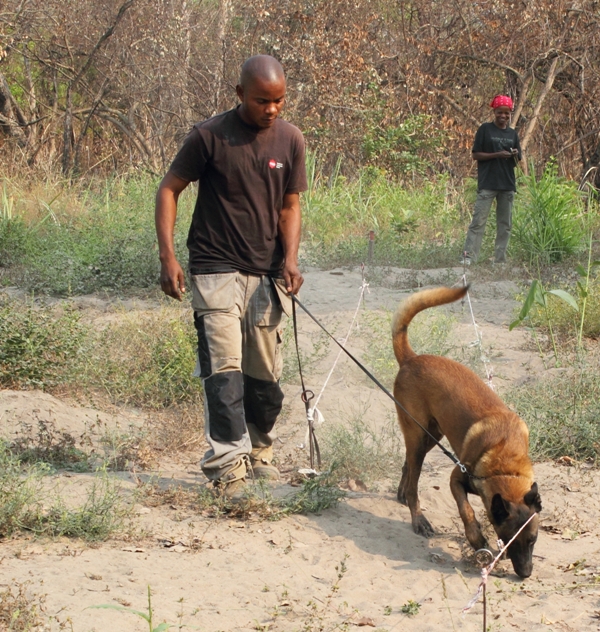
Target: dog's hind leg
(459, 486)
(417, 446)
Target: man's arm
(289, 228)
(482, 155)
(172, 278)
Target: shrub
(39, 344)
(13, 241)
(562, 416)
(147, 360)
(403, 147)
(548, 219)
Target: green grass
(562, 415)
(27, 504)
(143, 359)
(103, 514)
(20, 492)
(548, 220)
(416, 226)
(101, 238)
(40, 345)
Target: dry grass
(20, 611)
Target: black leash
(306, 398)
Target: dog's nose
(525, 571)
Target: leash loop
(307, 396)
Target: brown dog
(448, 399)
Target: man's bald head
(261, 91)
(262, 67)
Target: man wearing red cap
(496, 149)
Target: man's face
(261, 101)
(502, 116)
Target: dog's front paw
(476, 538)
(422, 526)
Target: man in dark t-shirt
(243, 245)
(497, 150)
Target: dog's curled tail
(410, 307)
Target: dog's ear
(500, 509)
(532, 498)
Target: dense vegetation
(91, 87)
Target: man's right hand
(172, 279)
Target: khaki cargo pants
(238, 321)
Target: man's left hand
(293, 278)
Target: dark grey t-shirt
(243, 173)
(497, 174)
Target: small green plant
(584, 285)
(103, 514)
(363, 452)
(315, 495)
(316, 614)
(146, 616)
(410, 608)
(20, 492)
(21, 504)
(538, 296)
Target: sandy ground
(358, 565)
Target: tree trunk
(538, 107)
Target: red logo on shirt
(272, 163)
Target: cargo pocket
(285, 300)
(213, 292)
(267, 304)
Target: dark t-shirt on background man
(243, 174)
(497, 174)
